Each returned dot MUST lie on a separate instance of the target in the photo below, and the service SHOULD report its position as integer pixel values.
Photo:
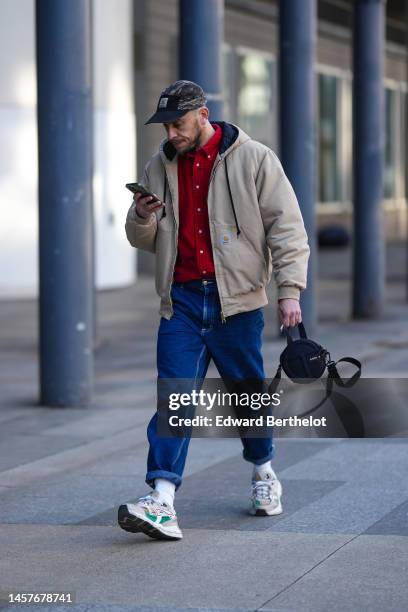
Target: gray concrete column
(65, 119)
(297, 41)
(201, 36)
(368, 158)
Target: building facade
(251, 95)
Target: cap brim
(166, 116)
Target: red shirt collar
(211, 147)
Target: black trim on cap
(166, 116)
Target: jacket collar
(230, 134)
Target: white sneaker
(266, 496)
(151, 516)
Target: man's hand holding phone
(145, 202)
(145, 205)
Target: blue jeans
(185, 345)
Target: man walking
(222, 213)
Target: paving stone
(67, 501)
(209, 569)
(33, 422)
(392, 523)
(368, 573)
(357, 460)
(350, 508)
(22, 449)
(60, 463)
(99, 424)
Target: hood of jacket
(232, 136)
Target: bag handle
(302, 332)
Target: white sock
(166, 490)
(263, 469)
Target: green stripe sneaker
(150, 516)
(266, 496)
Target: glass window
(390, 161)
(346, 134)
(256, 112)
(329, 180)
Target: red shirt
(194, 255)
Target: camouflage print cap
(176, 100)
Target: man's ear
(203, 115)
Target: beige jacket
(255, 223)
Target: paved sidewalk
(341, 543)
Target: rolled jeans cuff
(174, 478)
(260, 461)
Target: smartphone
(137, 188)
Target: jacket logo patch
(225, 238)
(163, 103)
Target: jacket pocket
(241, 258)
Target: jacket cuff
(286, 291)
(134, 216)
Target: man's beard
(193, 145)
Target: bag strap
(333, 377)
(333, 373)
(275, 381)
